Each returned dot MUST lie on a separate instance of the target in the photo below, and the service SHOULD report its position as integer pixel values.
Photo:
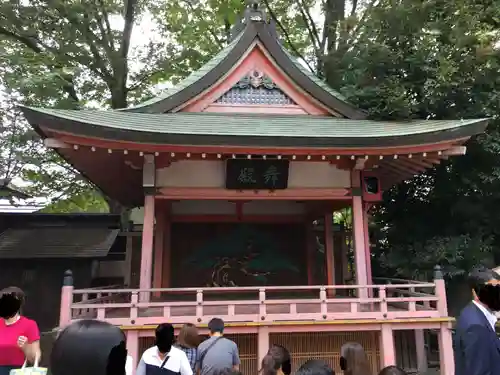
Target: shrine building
(234, 176)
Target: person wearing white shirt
(129, 366)
(163, 358)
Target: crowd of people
(98, 348)
(92, 347)
(218, 355)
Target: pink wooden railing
(254, 304)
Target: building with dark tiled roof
(231, 174)
(36, 249)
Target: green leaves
(396, 58)
(433, 59)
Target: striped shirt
(191, 354)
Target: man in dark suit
(476, 346)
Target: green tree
(434, 59)
(23, 155)
(71, 54)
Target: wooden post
(65, 312)
(262, 343)
(422, 365)
(358, 214)
(147, 246)
(148, 182)
(133, 348)
(159, 246)
(367, 247)
(310, 248)
(442, 304)
(167, 249)
(330, 271)
(446, 359)
(129, 248)
(387, 345)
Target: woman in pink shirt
(19, 336)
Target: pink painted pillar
(367, 246)
(129, 248)
(358, 214)
(133, 347)
(65, 313)
(387, 348)
(446, 359)
(147, 246)
(159, 246)
(167, 254)
(310, 249)
(442, 304)
(262, 343)
(330, 261)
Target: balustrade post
(134, 310)
(199, 305)
(447, 362)
(442, 305)
(382, 294)
(262, 306)
(324, 304)
(65, 312)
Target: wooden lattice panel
(406, 352)
(144, 343)
(326, 346)
(247, 346)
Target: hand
(22, 341)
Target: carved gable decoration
(255, 88)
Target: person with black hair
(164, 358)
(392, 370)
(277, 361)
(19, 336)
(89, 347)
(476, 346)
(217, 353)
(315, 367)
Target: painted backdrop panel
(237, 254)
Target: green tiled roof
(193, 77)
(210, 128)
(230, 56)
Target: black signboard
(257, 174)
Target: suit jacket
(476, 345)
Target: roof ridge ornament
(253, 12)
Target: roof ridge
(76, 114)
(230, 56)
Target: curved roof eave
(200, 129)
(203, 79)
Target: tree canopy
(398, 59)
